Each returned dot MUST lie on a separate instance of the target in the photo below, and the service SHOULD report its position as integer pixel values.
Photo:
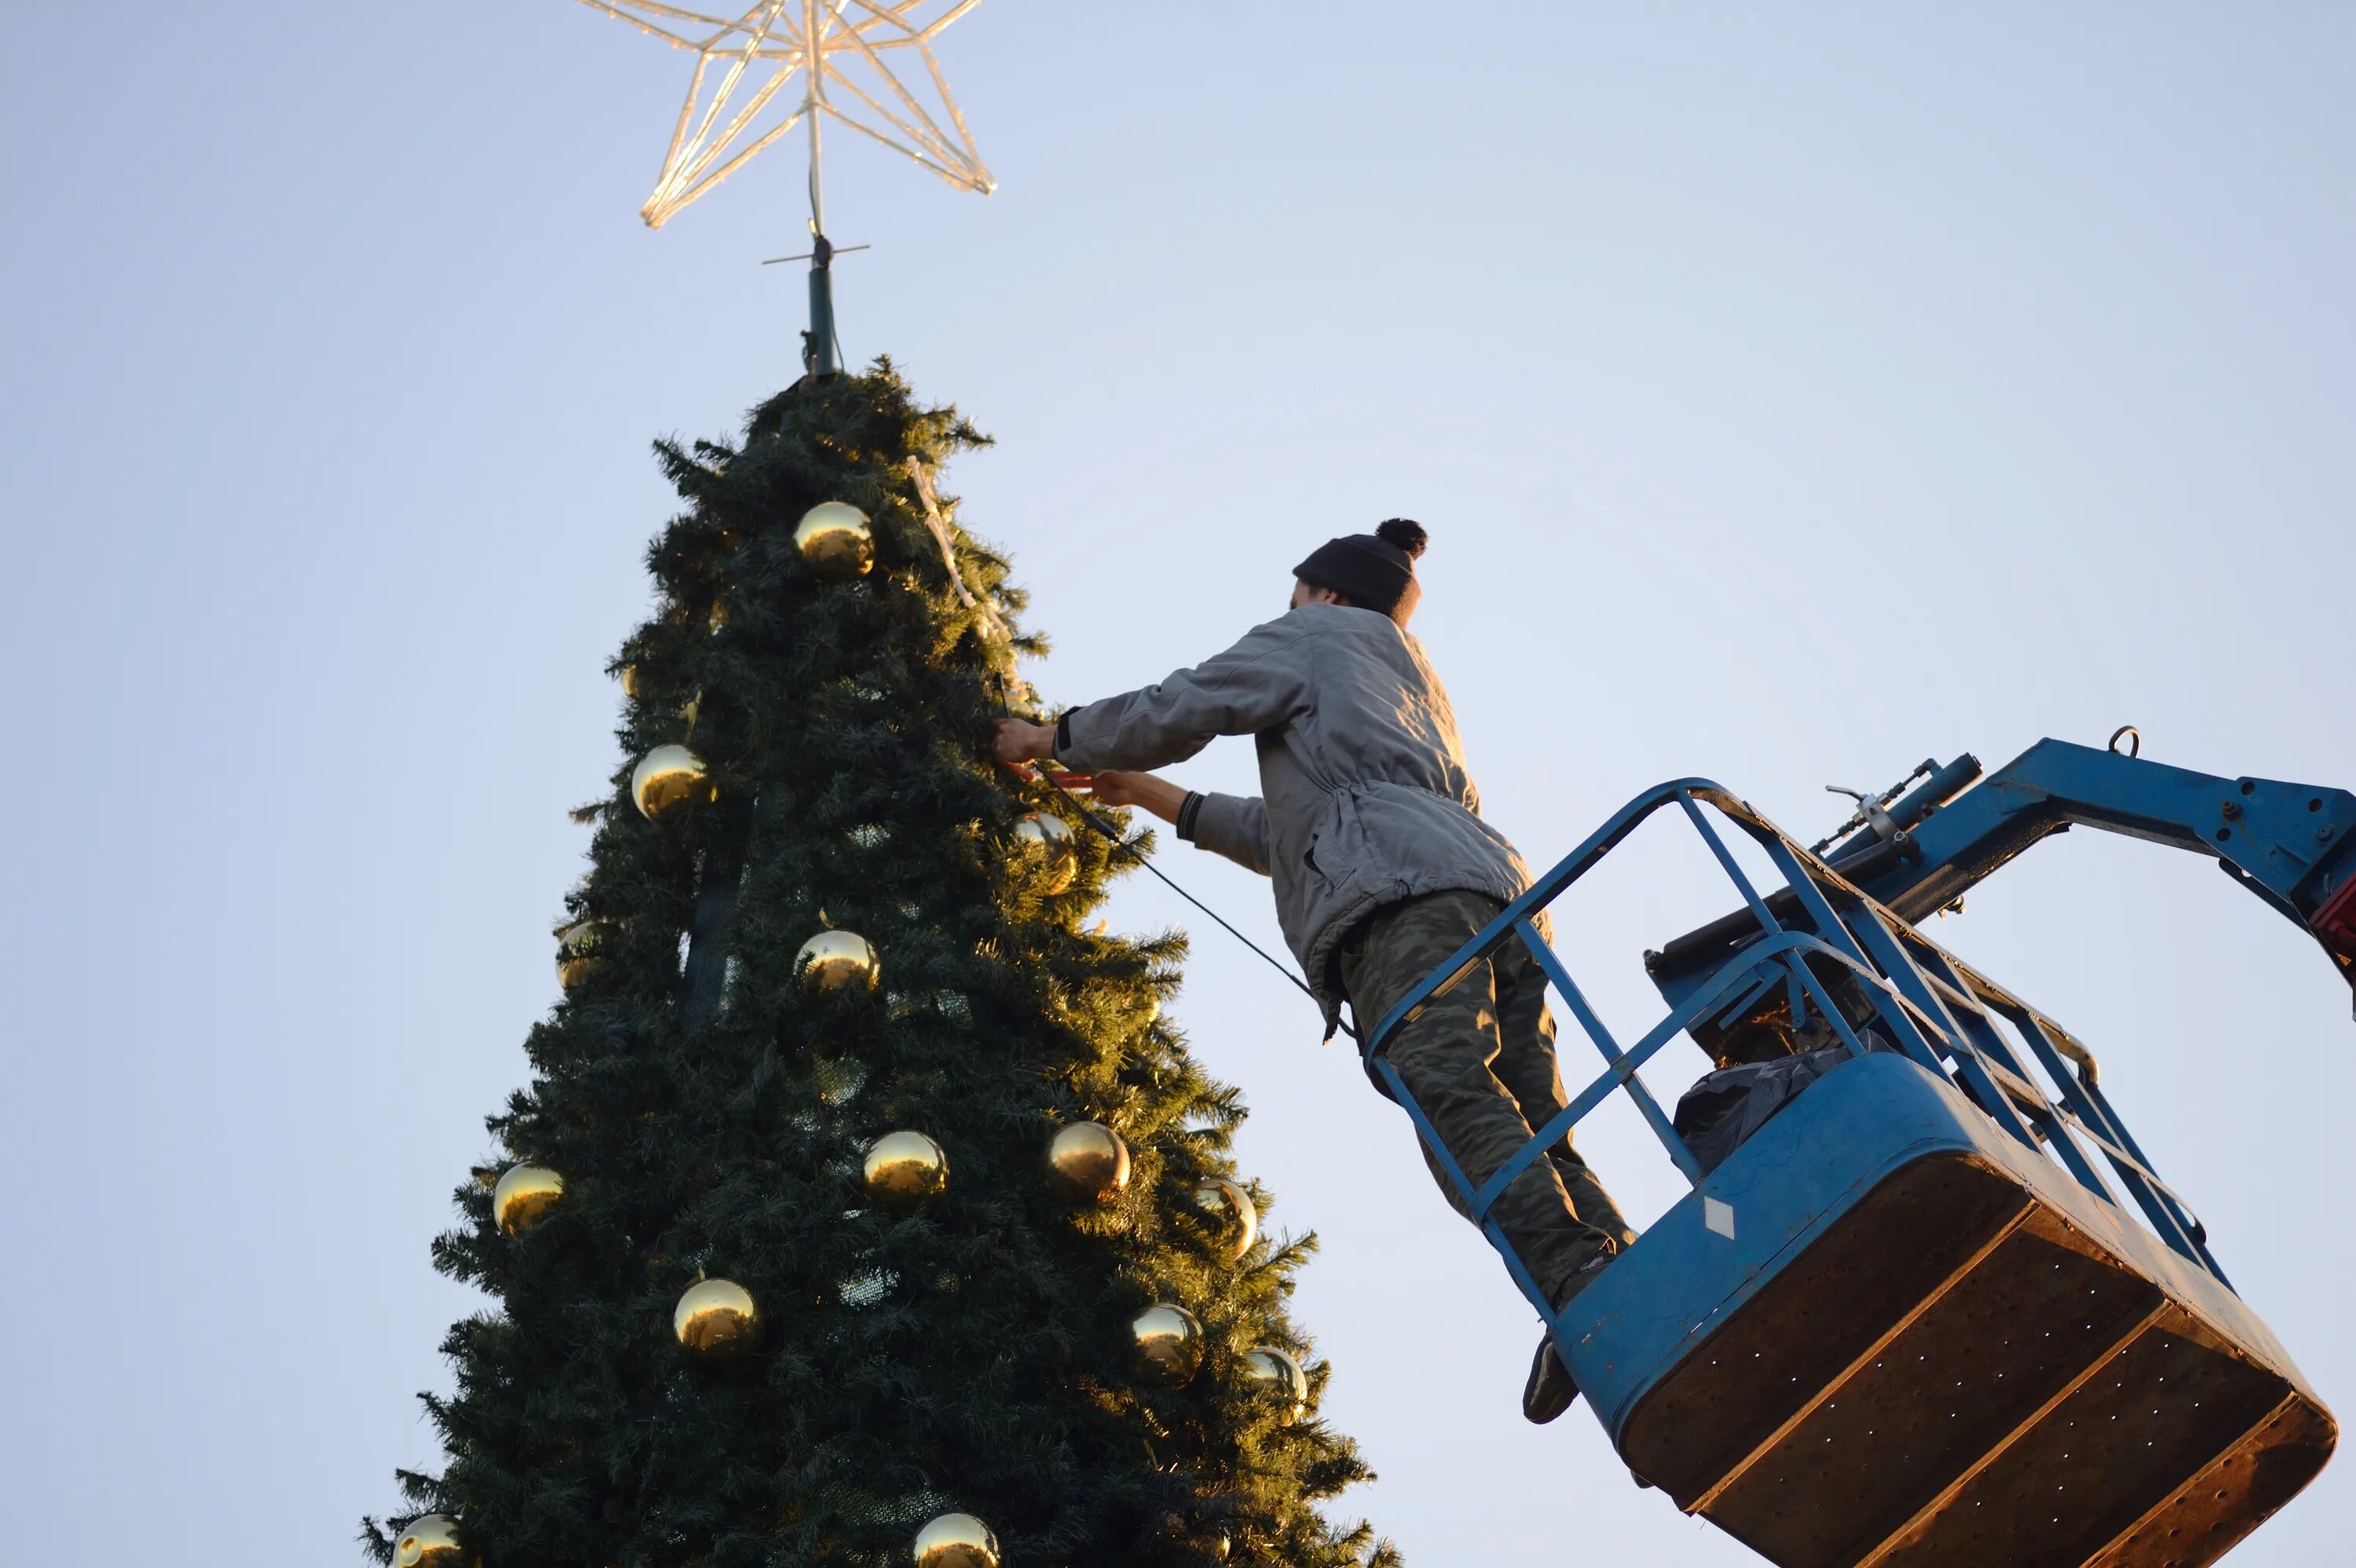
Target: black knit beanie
(1375, 572)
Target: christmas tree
(862, 1208)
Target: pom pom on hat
(1406, 533)
(1374, 572)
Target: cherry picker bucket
(1909, 1320)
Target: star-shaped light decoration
(830, 45)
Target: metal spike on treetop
(826, 45)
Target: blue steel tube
(1935, 790)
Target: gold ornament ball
(1165, 1345)
(430, 1542)
(956, 1540)
(835, 541)
(1089, 1163)
(524, 1196)
(1233, 1211)
(717, 1321)
(630, 681)
(666, 777)
(576, 951)
(1275, 1373)
(1045, 842)
(836, 961)
(904, 1172)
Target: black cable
(1138, 855)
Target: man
(1370, 828)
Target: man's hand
(1018, 740)
(1158, 796)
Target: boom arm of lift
(2293, 845)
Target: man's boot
(1551, 1388)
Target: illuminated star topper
(832, 46)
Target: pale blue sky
(1792, 392)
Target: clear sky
(1792, 392)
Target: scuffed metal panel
(1732, 1393)
(2159, 1411)
(2238, 1491)
(1957, 1374)
(1889, 1435)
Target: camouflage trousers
(1480, 1063)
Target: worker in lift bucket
(1370, 830)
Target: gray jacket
(1365, 800)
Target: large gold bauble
(1274, 1374)
(630, 680)
(1165, 1345)
(956, 1540)
(904, 1172)
(524, 1196)
(836, 961)
(666, 777)
(835, 541)
(1044, 842)
(1088, 1163)
(430, 1542)
(1233, 1211)
(717, 1321)
(576, 951)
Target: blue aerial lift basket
(1909, 1321)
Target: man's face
(1307, 594)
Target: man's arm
(1257, 685)
(1233, 826)
(1158, 796)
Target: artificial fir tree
(812, 1227)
